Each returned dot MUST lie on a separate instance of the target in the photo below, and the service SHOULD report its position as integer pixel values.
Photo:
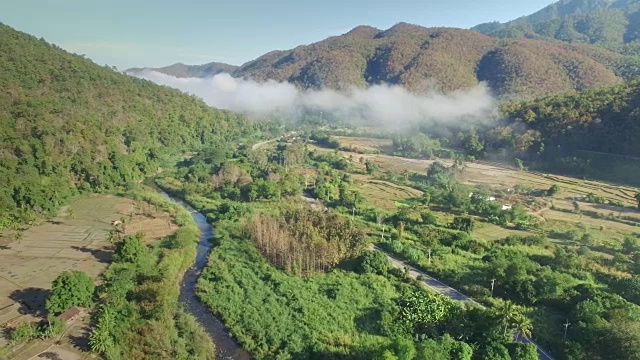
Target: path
(453, 294)
(257, 146)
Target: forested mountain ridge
(593, 133)
(445, 58)
(70, 125)
(612, 24)
(181, 70)
(603, 120)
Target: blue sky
(159, 32)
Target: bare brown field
(77, 239)
(366, 144)
(383, 194)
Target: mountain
(447, 58)
(181, 70)
(69, 125)
(612, 24)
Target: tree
(522, 351)
(374, 262)
(630, 244)
(637, 197)
(100, 338)
(519, 164)
(23, 332)
(462, 223)
(71, 288)
(130, 249)
(513, 317)
(53, 327)
(554, 189)
(370, 166)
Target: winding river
(226, 346)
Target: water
(226, 346)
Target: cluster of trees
(376, 314)
(303, 240)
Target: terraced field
(77, 239)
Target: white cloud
(382, 104)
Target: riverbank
(226, 346)
(139, 315)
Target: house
(506, 207)
(71, 314)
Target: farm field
(488, 174)
(608, 223)
(384, 194)
(77, 239)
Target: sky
(154, 33)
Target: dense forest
(446, 59)
(70, 126)
(610, 24)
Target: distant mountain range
(612, 24)
(569, 46)
(181, 70)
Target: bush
(23, 332)
(374, 262)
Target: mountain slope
(69, 125)
(593, 133)
(181, 70)
(447, 58)
(613, 24)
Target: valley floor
(77, 239)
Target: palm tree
(513, 317)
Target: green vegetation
(71, 126)
(550, 271)
(71, 288)
(138, 316)
(610, 24)
(26, 331)
(293, 280)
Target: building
(71, 314)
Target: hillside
(181, 70)
(593, 133)
(69, 125)
(448, 58)
(612, 24)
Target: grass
(273, 314)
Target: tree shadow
(4, 247)
(103, 256)
(81, 341)
(32, 301)
(55, 222)
(368, 321)
(614, 208)
(49, 355)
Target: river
(226, 346)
